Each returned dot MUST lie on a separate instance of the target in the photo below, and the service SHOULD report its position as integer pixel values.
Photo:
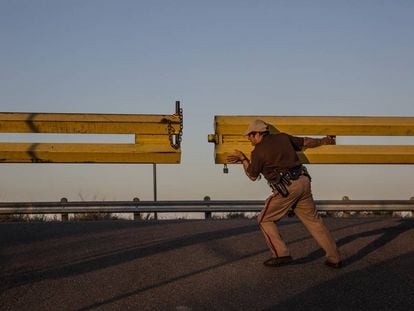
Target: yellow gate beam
(157, 138)
(228, 136)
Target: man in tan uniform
(274, 156)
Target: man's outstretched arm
(310, 142)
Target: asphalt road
(203, 265)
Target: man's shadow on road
(386, 235)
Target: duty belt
(285, 180)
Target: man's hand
(239, 156)
(328, 140)
(236, 157)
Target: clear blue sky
(217, 58)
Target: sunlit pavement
(203, 265)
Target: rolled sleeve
(255, 167)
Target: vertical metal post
(207, 214)
(137, 215)
(177, 107)
(154, 172)
(64, 216)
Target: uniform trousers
(300, 198)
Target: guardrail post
(154, 173)
(207, 214)
(137, 215)
(343, 213)
(64, 216)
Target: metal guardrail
(154, 138)
(228, 135)
(204, 206)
